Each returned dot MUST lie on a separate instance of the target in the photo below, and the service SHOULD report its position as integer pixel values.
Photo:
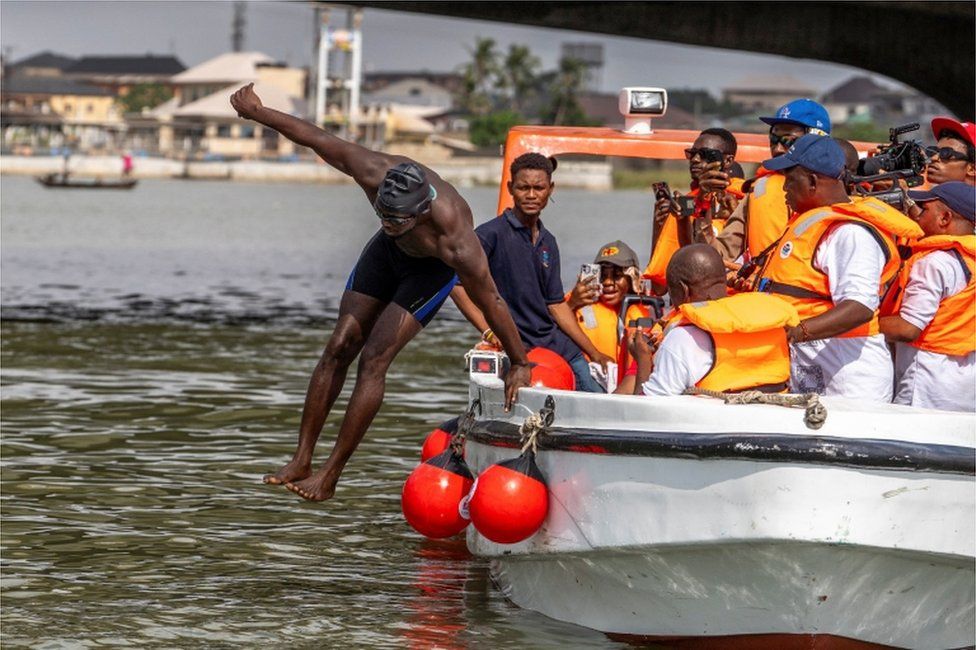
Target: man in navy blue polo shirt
(523, 258)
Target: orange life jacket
(667, 241)
(766, 212)
(789, 270)
(953, 329)
(603, 326)
(748, 331)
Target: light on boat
(638, 104)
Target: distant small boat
(60, 180)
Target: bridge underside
(930, 46)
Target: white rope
(814, 418)
(529, 432)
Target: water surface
(156, 348)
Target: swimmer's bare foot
(293, 471)
(317, 487)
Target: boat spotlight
(638, 105)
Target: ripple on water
(141, 407)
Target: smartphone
(643, 323)
(590, 273)
(661, 191)
(686, 206)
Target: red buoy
(439, 439)
(550, 370)
(510, 500)
(432, 493)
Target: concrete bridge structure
(930, 46)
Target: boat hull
(675, 532)
(60, 181)
(751, 589)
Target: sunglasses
(945, 154)
(785, 140)
(707, 154)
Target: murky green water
(156, 348)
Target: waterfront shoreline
(464, 172)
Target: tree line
(501, 89)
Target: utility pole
(238, 26)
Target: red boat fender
(439, 439)
(432, 493)
(510, 500)
(550, 370)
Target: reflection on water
(156, 348)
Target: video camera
(895, 160)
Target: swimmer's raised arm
(365, 166)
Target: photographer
(599, 307)
(952, 157)
(710, 160)
(759, 220)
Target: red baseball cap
(967, 130)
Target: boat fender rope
(814, 418)
(537, 424)
(464, 426)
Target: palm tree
(478, 76)
(517, 75)
(565, 108)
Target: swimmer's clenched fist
(246, 102)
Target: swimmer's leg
(394, 329)
(358, 314)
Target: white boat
(718, 525)
(685, 517)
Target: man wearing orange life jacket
(929, 313)
(714, 341)
(832, 264)
(598, 310)
(760, 219)
(669, 233)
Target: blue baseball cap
(818, 153)
(958, 196)
(802, 112)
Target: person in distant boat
(929, 311)
(524, 260)
(425, 243)
(714, 341)
(126, 164)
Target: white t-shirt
(859, 367)
(685, 356)
(924, 378)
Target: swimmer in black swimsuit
(426, 242)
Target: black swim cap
(404, 191)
